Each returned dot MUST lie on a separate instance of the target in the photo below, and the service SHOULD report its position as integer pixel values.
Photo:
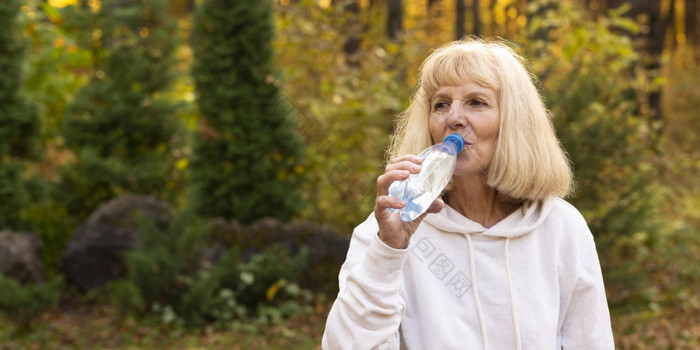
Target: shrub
(246, 155)
(185, 280)
(326, 249)
(121, 126)
(23, 304)
(19, 121)
(595, 87)
(126, 298)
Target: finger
(435, 207)
(411, 166)
(385, 180)
(385, 202)
(407, 157)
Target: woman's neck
(475, 200)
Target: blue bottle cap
(455, 139)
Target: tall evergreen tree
(120, 126)
(19, 122)
(245, 159)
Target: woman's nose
(457, 117)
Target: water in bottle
(420, 190)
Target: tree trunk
(434, 17)
(655, 44)
(492, 14)
(691, 17)
(351, 47)
(670, 24)
(477, 17)
(394, 19)
(460, 19)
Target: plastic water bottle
(420, 190)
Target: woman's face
(472, 111)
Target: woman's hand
(392, 230)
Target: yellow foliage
(182, 164)
(62, 3)
(274, 288)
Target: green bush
(595, 86)
(53, 224)
(19, 121)
(266, 272)
(121, 126)
(246, 154)
(169, 274)
(23, 304)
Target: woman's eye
(477, 102)
(441, 106)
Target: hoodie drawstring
(514, 313)
(475, 290)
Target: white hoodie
(532, 281)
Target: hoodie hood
(522, 221)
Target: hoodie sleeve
(368, 310)
(587, 320)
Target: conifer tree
(19, 122)
(245, 163)
(120, 126)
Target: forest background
(117, 97)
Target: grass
(75, 326)
(80, 326)
(658, 329)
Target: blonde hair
(529, 163)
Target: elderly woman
(501, 261)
